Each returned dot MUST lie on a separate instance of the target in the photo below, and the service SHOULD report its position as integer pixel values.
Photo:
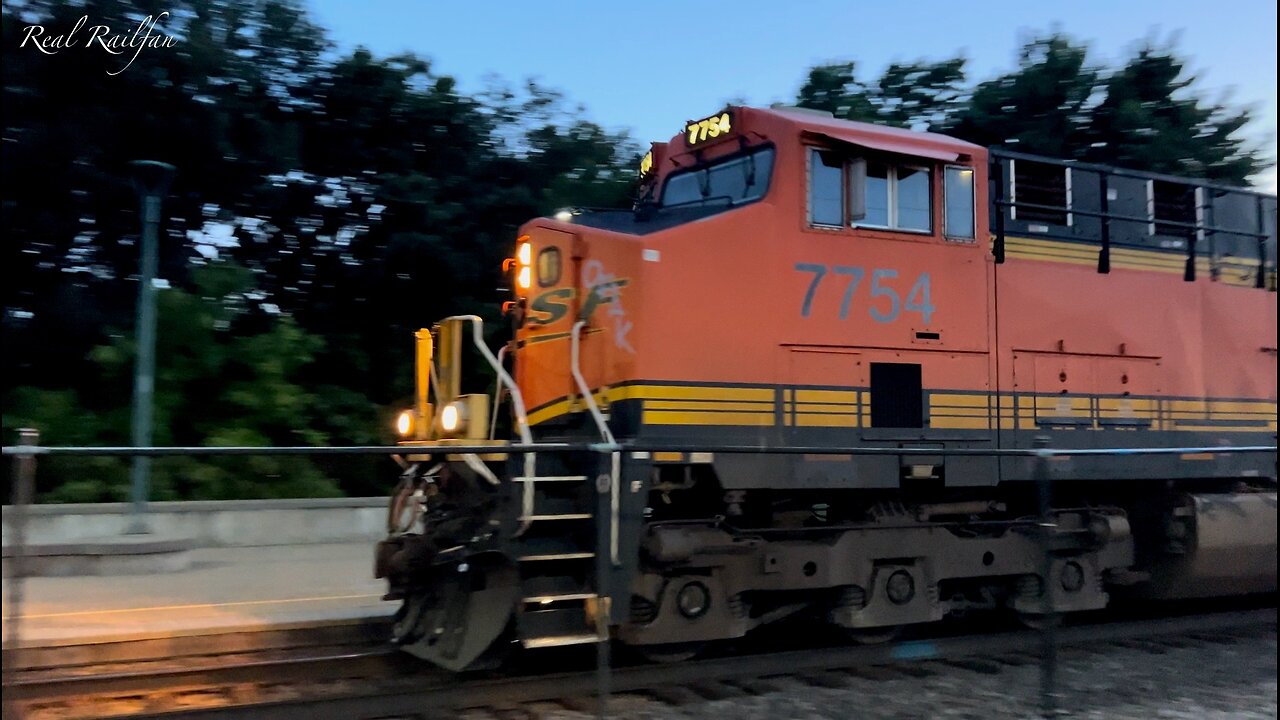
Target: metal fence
(28, 450)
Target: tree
(914, 95)
(921, 95)
(835, 89)
(1039, 108)
(1146, 115)
(225, 375)
(206, 106)
(361, 197)
(1152, 118)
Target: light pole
(151, 181)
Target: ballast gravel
(1215, 679)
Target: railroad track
(360, 682)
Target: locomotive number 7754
(918, 298)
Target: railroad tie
(878, 673)
(986, 667)
(579, 703)
(757, 685)
(715, 690)
(825, 679)
(916, 670)
(675, 695)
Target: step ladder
(556, 557)
(556, 540)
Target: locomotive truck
(792, 281)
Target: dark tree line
(327, 204)
(1147, 114)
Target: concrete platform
(223, 590)
(212, 523)
(115, 555)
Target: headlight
(524, 263)
(404, 423)
(451, 417)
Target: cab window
(826, 188)
(861, 192)
(733, 181)
(898, 197)
(958, 188)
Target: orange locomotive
(790, 281)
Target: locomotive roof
(823, 123)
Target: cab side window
(877, 196)
(826, 189)
(958, 222)
(897, 197)
(873, 193)
(913, 199)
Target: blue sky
(649, 66)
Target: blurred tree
(363, 198)
(1153, 119)
(216, 384)
(206, 106)
(921, 95)
(911, 95)
(1146, 115)
(835, 89)
(1039, 108)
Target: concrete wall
(214, 523)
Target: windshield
(732, 181)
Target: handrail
(631, 446)
(1104, 215)
(517, 402)
(575, 367)
(517, 399)
(497, 396)
(996, 152)
(575, 339)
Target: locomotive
(790, 285)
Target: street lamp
(151, 181)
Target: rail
(29, 449)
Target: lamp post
(151, 181)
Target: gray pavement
(225, 589)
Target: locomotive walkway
(224, 590)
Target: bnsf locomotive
(789, 281)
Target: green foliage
(912, 95)
(921, 94)
(325, 207)
(1152, 118)
(835, 89)
(1039, 108)
(223, 378)
(1145, 115)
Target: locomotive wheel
(873, 636)
(671, 652)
